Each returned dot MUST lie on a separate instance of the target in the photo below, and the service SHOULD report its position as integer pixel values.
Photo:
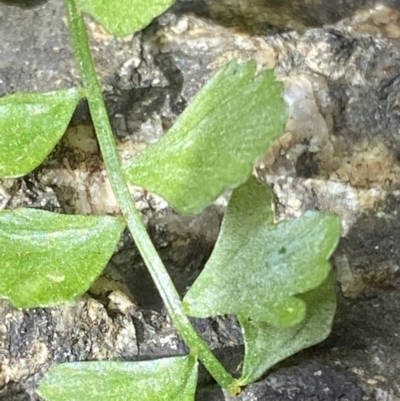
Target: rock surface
(339, 154)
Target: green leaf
(267, 345)
(213, 145)
(168, 379)
(48, 258)
(30, 126)
(257, 268)
(124, 17)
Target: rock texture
(339, 154)
(258, 16)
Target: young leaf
(257, 268)
(48, 258)
(167, 379)
(124, 17)
(267, 345)
(30, 126)
(214, 143)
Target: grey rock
(339, 154)
(258, 16)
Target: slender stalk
(112, 162)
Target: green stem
(112, 162)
